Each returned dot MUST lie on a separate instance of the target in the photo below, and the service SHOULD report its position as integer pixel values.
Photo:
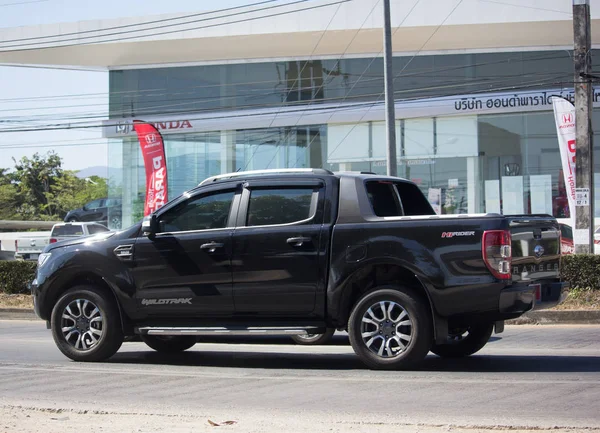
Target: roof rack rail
(259, 172)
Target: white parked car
(30, 247)
(64, 231)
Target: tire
(72, 220)
(169, 344)
(314, 339)
(86, 325)
(408, 332)
(464, 341)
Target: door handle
(211, 247)
(299, 241)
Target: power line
(266, 132)
(60, 35)
(158, 109)
(369, 65)
(196, 111)
(527, 7)
(291, 88)
(135, 93)
(178, 30)
(352, 106)
(405, 66)
(22, 3)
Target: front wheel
(391, 328)
(314, 339)
(86, 325)
(169, 344)
(465, 341)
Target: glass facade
(469, 161)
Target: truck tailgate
(535, 248)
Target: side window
(383, 198)
(93, 205)
(280, 206)
(397, 199)
(113, 202)
(199, 213)
(566, 231)
(93, 229)
(414, 201)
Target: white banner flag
(564, 116)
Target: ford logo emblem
(539, 251)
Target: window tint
(199, 213)
(67, 230)
(279, 206)
(414, 201)
(383, 198)
(94, 204)
(113, 202)
(397, 199)
(96, 229)
(566, 231)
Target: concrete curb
(17, 314)
(544, 317)
(555, 317)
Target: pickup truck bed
(302, 252)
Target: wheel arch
(385, 273)
(89, 279)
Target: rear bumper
(551, 295)
(521, 298)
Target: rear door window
(389, 199)
(281, 205)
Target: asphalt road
(529, 376)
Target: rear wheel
(390, 328)
(314, 339)
(464, 341)
(86, 325)
(169, 344)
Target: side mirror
(150, 225)
(84, 207)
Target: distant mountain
(116, 174)
(99, 170)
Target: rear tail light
(497, 252)
(53, 240)
(597, 241)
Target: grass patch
(24, 302)
(581, 299)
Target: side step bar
(259, 330)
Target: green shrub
(16, 275)
(581, 270)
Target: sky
(39, 93)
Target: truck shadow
(285, 360)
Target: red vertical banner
(153, 151)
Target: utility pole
(584, 209)
(390, 112)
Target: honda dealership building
(300, 85)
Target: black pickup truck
(301, 252)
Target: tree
(40, 189)
(35, 177)
(8, 195)
(70, 192)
